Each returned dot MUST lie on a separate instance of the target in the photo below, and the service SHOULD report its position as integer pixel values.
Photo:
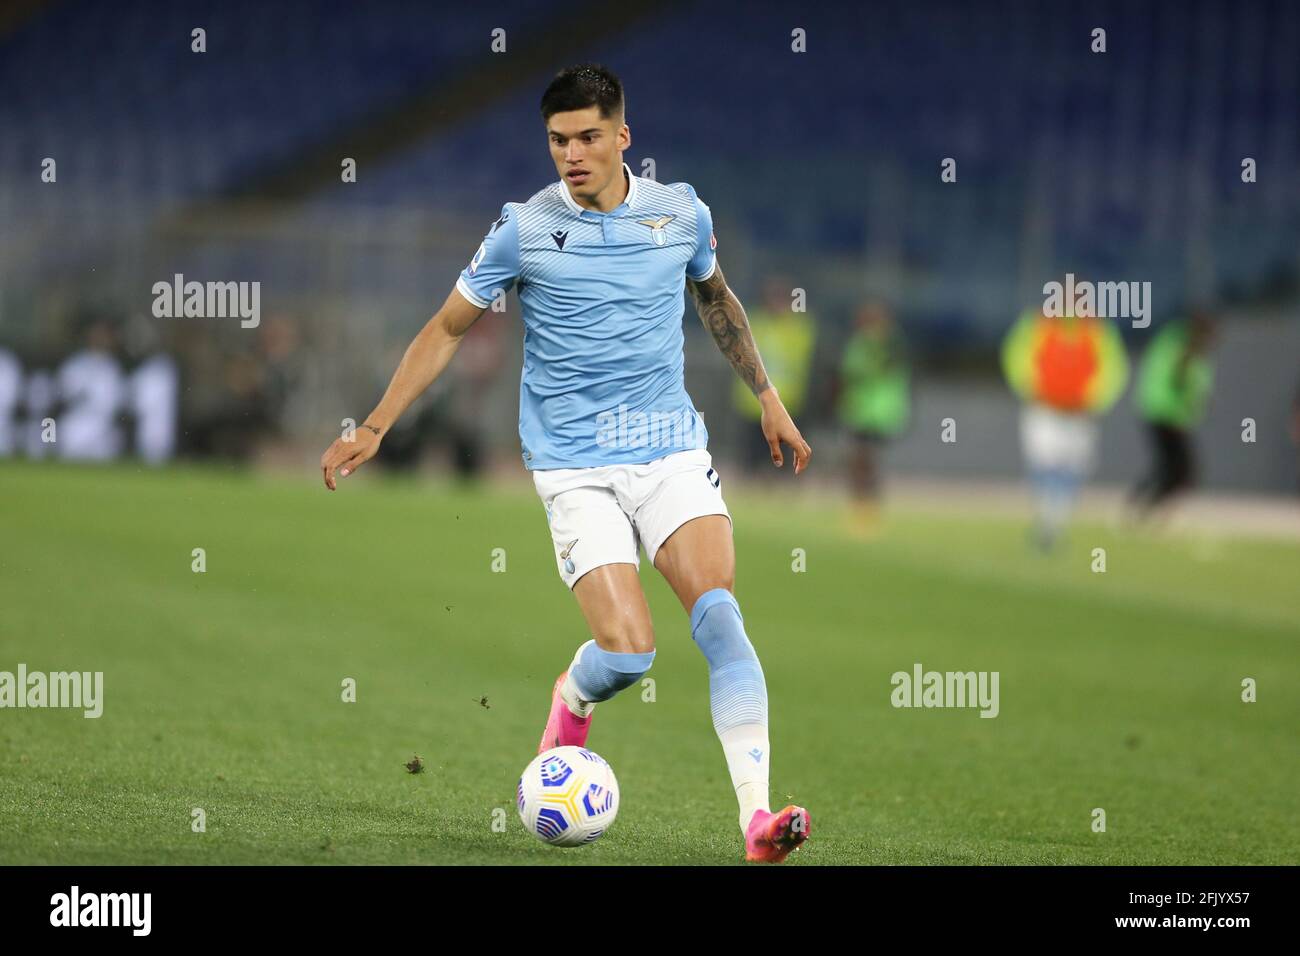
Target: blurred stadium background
(822, 171)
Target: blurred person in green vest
(786, 340)
(873, 403)
(1174, 382)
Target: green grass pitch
(1119, 690)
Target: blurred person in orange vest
(1068, 371)
(785, 339)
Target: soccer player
(617, 450)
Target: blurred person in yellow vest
(786, 340)
(872, 403)
(1068, 371)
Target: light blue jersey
(602, 304)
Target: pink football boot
(563, 729)
(771, 836)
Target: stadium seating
(1122, 163)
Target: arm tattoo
(724, 317)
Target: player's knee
(716, 579)
(719, 629)
(725, 579)
(600, 674)
(625, 638)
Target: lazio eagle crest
(657, 228)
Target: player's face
(588, 152)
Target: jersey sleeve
(704, 260)
(495, 266)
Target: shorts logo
(564, 556)
(657, 228)
(714, 478)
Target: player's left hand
(779, 427)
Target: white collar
(630, 201)
(632, 187)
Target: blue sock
(737, 696)
(599, 674)
(737, 691)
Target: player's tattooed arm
(724, 317)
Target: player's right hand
(345, 457)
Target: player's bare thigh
(614, 605)
(697, 557)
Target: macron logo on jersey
(478, 257)
(559, 237)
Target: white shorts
(601, 515)
(1058, 441)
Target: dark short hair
(578, 87)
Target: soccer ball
(568, 796)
